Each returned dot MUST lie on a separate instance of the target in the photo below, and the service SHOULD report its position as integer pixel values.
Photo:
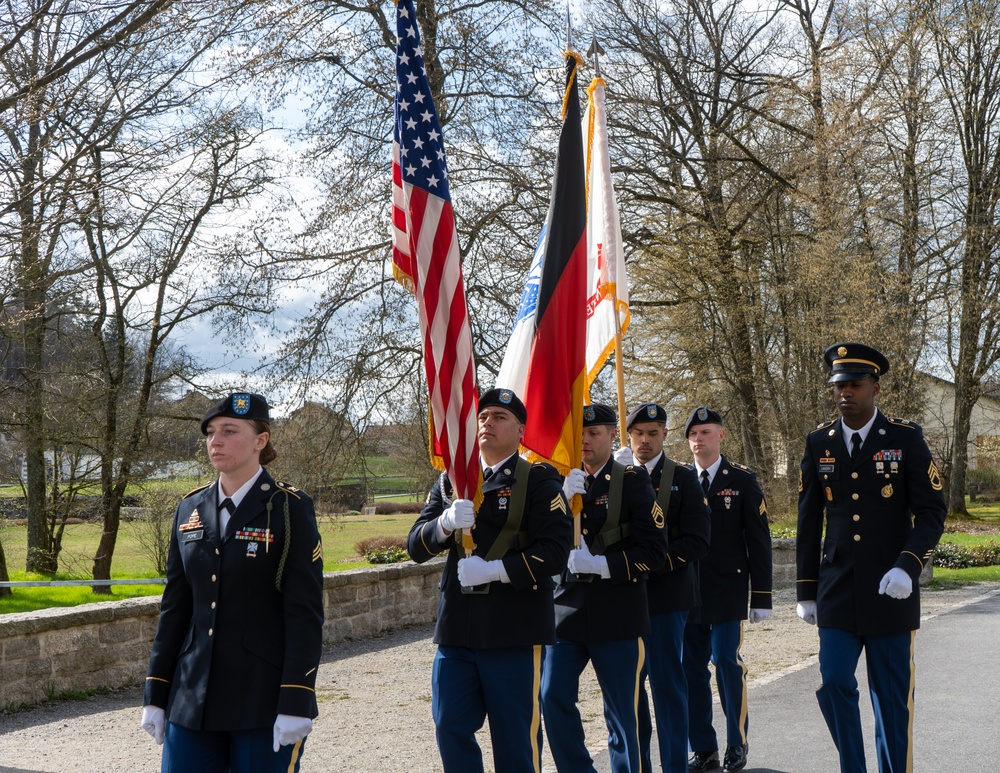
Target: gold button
(213, 578)
(216, 551)
(585, 531)
(739, 571)
(211, 631)
(854, 475)
(213, 603)
(857, 538)
(855, 496)
(857, 517)
(825, 477)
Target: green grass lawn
(340, 535)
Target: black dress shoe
(703, 761)
(736, 758)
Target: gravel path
(374, 703)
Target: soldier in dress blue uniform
(601, 609)
(495, 612)
(673, 589)
(738, 561)
(232, 674)
(876, 482)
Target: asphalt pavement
(957, 717)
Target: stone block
(57, 642)
(20, 647)
(119, 631)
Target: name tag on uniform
(191, 536)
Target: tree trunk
(4, 575)
(966, 395)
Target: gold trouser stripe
(909, 706)
(296, 751)
(536, 707)
(743, 687)
(640, 662)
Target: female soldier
(232, 674)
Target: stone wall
(51, 652)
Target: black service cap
(701, 415)
(239, 405)
(852, 361)
(646, 412)
(598, 415)
(504, 398)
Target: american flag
(425, 258)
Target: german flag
(554, 389)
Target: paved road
(957, 703)
(375, 698)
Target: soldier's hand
(153, 721)
(289, 729)
(582, 561)
(896, 584)
(575, 483)
(624, 455)
(807, 611)
(477, 571)
(461, 515)
(759, 615)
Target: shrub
(950, 556)
(383, 550)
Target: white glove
(807, 611)
(896, 584)
(759, 615)
(582, 561)
(624, 455)
(478, 571)
(153, 720)
(575, 483)
(289, 729)
(461, 515)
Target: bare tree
(487, 64)
(967, 36)
(118, 166)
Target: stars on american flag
(417, 129)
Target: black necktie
(487, 473)
(704, 481)
(588, 482)
(226, 509)
(855, 446)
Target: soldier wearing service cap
(672, 590)
(876, 484)
(495, 611)
(232, 673)
(601, 610)
(738, 562)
